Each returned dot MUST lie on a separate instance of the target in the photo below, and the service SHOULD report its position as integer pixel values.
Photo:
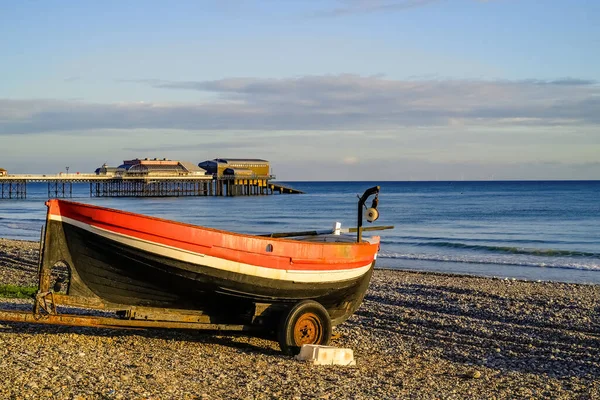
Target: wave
(516, 250)
(21, 226)
(492, 261)
(23, 220)
(505, 249)
(20, 230)
(427, 239)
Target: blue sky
(334, 89)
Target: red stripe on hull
(286, 254)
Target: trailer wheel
(308, 322)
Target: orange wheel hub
(308, 329)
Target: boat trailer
(45, 311)
(304, 322)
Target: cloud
(562, 81)
(414, 169)
(328, 102)
(371, 6)
(350, 7)
(223, 145)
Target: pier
(276, 187)
(61, 185)
(154, 177)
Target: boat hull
(121, 268)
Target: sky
(324, 89)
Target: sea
(532, 230)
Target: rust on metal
(108, 322)
(164, 314)
(81, 301)
(308, 329)
(45, 304)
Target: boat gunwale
(368, 242)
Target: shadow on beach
(542, 328)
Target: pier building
(105, 170)
(240, 176)
(151, 167)
(3, 172)
(157, 178)
(236, 166)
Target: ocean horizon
(534, 230)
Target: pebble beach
(417, 335)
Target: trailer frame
(46, 311)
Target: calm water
(530, 230)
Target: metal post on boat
(361, 202)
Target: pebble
(475, 374)
(414, 337)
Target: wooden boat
(129, 262)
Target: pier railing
(229, 177)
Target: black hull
(124, 275)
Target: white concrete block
(326, 355)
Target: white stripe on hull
(219, 263)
